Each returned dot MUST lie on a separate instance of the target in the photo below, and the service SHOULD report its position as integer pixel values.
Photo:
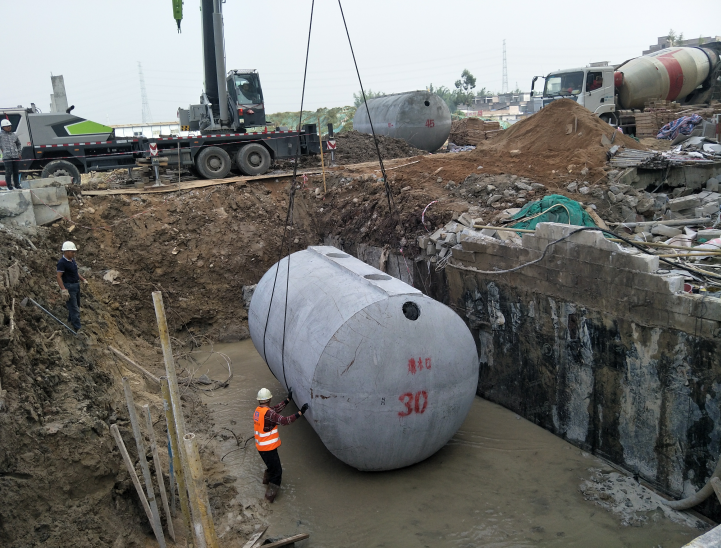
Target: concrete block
(684, 202)
(665, 285)
(459, 254)
(664, 230)
(533, 241)
(16, 207)
(554, 231)
(50, 181)
(592, 255)
(712, 184)
(708, 308)
(706, 209)
(693, 325)
(50, 204)
(640, 263)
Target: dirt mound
(355, 147)
(563, 138)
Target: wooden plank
(189, 185)
(252, 540)
(285, 541)
(134, 367)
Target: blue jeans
(73, 305)
(12, 172)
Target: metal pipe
(175, 451)
(53, 317)
(157, 528)
(158, 470)
(177, 408)
(220, 63)
(697, 498)
(201, 500)
(131, 470)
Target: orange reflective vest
(264, 441)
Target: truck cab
(592, 87)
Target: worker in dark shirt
(267, 440)
(69, 281)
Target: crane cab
(245, 96)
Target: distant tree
(701, 40)
(464, 88)
(370, 94)
(672, 37)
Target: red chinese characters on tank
(415, 366)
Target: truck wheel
(213, 163)
(610, 118)
(61, 168)
(253, 159)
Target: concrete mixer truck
(687, 75)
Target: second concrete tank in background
(420, 118)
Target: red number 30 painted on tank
(414, 403)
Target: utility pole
(146, 116)
(504, 85)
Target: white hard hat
(264, 395)
(5, 122)
(69, 246)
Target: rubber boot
(271, 492)
(266, 476)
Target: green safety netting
(552, 209)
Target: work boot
(266, 477)
(271, 492)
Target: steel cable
(289, 219)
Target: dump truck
(687, 75)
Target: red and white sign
(331, 144)
(153, 149)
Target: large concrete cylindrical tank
(420, 118)
(390, 374)
(671, 74)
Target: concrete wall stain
(646, 398)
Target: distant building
(663, 42)
(506, 107)
(147, 130)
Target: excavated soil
(355, 147)
(62, 481)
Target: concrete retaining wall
(600, 347)
(44, 202)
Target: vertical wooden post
(158, 470)
(157, 529)
(177, 407)
(178, 469)
(195, 469)
(131, 470)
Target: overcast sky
(400, 45)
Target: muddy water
(500, 482)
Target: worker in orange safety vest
(267, 440)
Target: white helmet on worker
(69, 246)
(264, 395)
(5, 122)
